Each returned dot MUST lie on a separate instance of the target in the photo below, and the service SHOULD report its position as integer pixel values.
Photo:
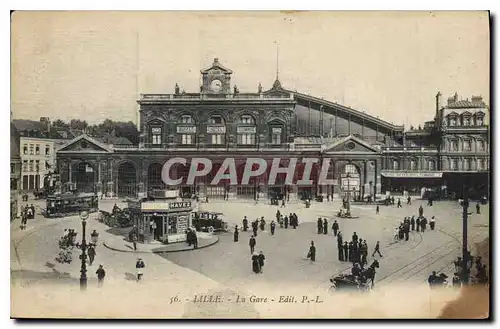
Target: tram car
(71, 204)
(205, 221)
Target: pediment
(216, 68)
(85, 144)
(452, 114)
(349, 144)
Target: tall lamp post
(84, 215)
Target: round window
(84, 144)
(350, 146)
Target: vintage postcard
(186, 165)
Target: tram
(71, 204)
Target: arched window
(216, 130)
(480, 145)
(479, 118)
(453, 164)
(467, 145)
(432, 165)
(276, 132)
(413, 164)
(186, 130)
(466, 164)
(246, 130)
(452, 121)
(155, 131)
(480, 164)
(466, 119)
(350, 169)
(395, 165)
(453, 145)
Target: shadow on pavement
(130, 277)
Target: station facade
(367, 155)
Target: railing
(190, 97)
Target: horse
(369, 273)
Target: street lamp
(84, 215)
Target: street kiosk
(163, 218)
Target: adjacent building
(367, 155)
(15, 172)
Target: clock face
(216, 85)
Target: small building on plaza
(162, 217)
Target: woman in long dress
(255, 263)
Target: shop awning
(403, 174)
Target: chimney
(438, 101)
(477, 99)
(46, 122)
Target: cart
(348, 283)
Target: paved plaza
(227, 263)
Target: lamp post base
(83, 284)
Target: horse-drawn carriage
(345, 282)
(117, 218)
(205, 221)
(361, 280)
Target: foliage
(107, 127)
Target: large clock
(216, 85)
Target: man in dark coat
(339, 239)
(261, 261)
(101, 273)
(354, 237)
(377, 209)
(325, 226)
(399, 203)
(312, 252)
(245, 224)
(412, 223)
(252, 244)
(286, 221)
(340, 249)
(418, 224)
(351, 251)
(420, 211)
(262, 224)
(195, 239)
(408, 200)
(407, 230)
(346, 251)
(320, 226)
(423, 223)
(335, 227)
(478, 208)
(254, 227)
(236, 233)
(91, 253)
(377, 250)
(273, 227)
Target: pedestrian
(312, 252)
(408, 200)
(195, 239)
(252, 243)
(377, 209)
(418, 224)
(406, 228)
(423, 223)
(335, 227)
(283, 202)
(139, 266)
(286, 221)
(412, 223)
(320, 226)
(255, 263)
(325, 226)
(432, 223)
(478, 208)
(296, 218)
(254, 227)
(420, 211)
(152, 226)
(91, 252)
(399, 203)
(261, 260)
(281, 221)
(273, 227)
(351, 251)
(339, 239)
(346, 251)
(364, 253)
(354, 237)
(101, 273)
(262, 224)
(236, 233)
(134, 240)
(377, 250)
(340, 249)
(245, 224)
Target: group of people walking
(27, 212)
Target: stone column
(377, 180)
(366, 186)
(142, 177)
(111, 180)
(99, 178)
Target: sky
(94, 65)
